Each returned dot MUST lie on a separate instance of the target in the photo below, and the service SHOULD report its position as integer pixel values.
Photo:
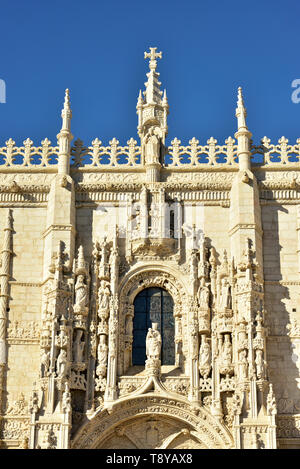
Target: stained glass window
(153, 305)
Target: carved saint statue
(103, 296)
(61, 364)
(243, 364)
(78, 347)
(259, 361)
(203, 295)
(152, 146)
(226, 353)
(204, 357)
(225, 298)
(102, 350)
(153, 342)
(80, 293)
(45, 363)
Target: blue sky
(96, 49)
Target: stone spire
(153, 109)
(243, 135)
(241, 111)
(64, 137)
(153, 93)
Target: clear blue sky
(96, 49)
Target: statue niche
(152, 144)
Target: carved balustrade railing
(99, 155)
(176, 155)
(195, 154)
(44, 155)
(276, 154)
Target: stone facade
(84, 230)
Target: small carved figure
(260, 367)
(80, 293)
(66, 399)
(152, 146)
(61, 364)
(203, 295)
(103, 296)
(204, 357)
(153, 342)
(243, 364)
(102, 350)
(226, 300)
(45, 363)
(226, 354)
(78, 346)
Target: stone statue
(225, 298)
(61, 364)
(66, 399)
(102, 350)
(243, 364)
(153, 342)
(152, 146)
(45, 363)
(78, 347)
(80, 293)
(226, 356)
(260, 367)
(103, 296)
(203, 295)
(204, 357)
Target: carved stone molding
(209, 430)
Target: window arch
(153, 305)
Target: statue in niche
(204, 357)
(243, 364)
(45, 363)
(259, 362)
(203, 295)
(103, 297)
(61, 364)
(152, 145)
(81, 293)
(102, 352)
(153, 342)
(226, 355)
(225, 298)
(78, 347)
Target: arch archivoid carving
(187, 420)
(152, 276)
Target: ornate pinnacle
(241, 112)
(67, 100)
(66, 113)
(152, 55)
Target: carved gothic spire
(153, 109)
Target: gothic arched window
(153, 305)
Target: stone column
(4, 299)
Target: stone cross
(152, 55)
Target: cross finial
(152, 55)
